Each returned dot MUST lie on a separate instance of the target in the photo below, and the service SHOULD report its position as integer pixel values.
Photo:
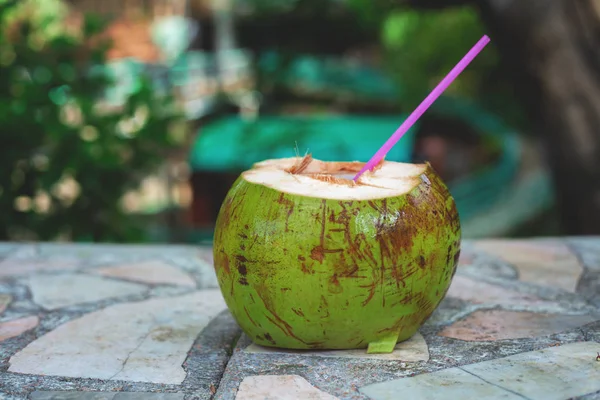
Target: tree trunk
(558, 43)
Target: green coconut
(306, 258)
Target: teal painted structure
(233, 144)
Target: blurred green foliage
(419, 47)
(422, 46)
(66, 160)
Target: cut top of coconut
(334, 180)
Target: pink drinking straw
(435, 93)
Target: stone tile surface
(53, 291)
(559, 372)
(20, 267)
(15, 327)
(588, 251)
(555, 373)
(541, 262)
(6, 248)
(281, 387)
(479, 292)
(177, 340)
(75, 395)
(145, 341)
(489, 325)
(411, 350)
(151, 272)
(453, 383)
(5, 300)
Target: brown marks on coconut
(241, 264)
(222, 260)
(441, 297)
(318, 252)
(442, 195)
(357, 251)
(242, 269)
(372, 204)
(225, 213)
(393, 236)
(334, 285)
(270, 338)
(398, 326)
(449, 256)
(452, 218)
(353, 243)
(250, 318)
(396, 233)
(232, 205)
(346, 269)
(346, 203)
(304, 267)
(402, 272)
(275, 319)
(346, 265)
(372, 288)
(323, 222)
(298, 312)
(289, 204)
(425, 308)
(456, 258)
(424, 303)
(407, 299)
(452, 257)
(254, 241)
(324, 308)
(332, 218)
(392, 231)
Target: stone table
(520, 321)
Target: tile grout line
(494, 384)
(133, 351)
(234, 343)
(573, 249)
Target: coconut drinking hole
(331, 172)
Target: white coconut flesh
(334, 180)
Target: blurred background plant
(348, 72)
(418, 61)
(69, 155)
(128, 120)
